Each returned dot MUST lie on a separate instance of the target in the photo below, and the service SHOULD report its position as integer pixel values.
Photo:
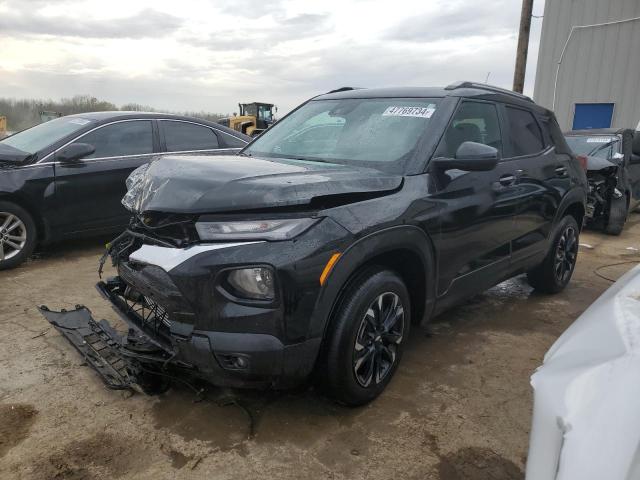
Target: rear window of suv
(372, 132)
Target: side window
(181, 136)
(121, 139)
(233, 142)
(472, 122)
(524, 133)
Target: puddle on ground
(178, 459)
(477, 464)
(221, 423)
(15, 422)
(226, 420)
(473, 463)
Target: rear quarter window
(525, 136)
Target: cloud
(253, 8)
(147, 23)
(210, 57)
(458, 20)
(263, 36)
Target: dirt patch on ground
(15, 422)
(459, 406)
(100, 456)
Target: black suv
(360, 213)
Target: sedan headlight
(254, 283)
(280, 229)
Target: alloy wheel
(13, 235)
(566, 254)
(379, 335)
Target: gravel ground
(459, 407)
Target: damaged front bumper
(183, 320)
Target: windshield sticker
(600, 139)
(79, 121)
(422, 112)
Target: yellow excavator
(254, 118)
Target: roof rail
(484, 86)
(344, 89)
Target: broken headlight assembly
(274, 229)
(253, 283)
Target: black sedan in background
(66, 177)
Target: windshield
(264, 113)
(36, 138)
(601, 146)
(381, 133)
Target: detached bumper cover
(97, 342)
(586, 420)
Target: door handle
(507, 180)
(561, 171)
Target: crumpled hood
(595, 164)
(210, 184)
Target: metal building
(589, 63)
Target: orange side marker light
(328, 267)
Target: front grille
(159, 312)
(150, 316)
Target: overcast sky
(211, 54)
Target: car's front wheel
(366, 340)
(555, 272)
(618, 212)
(17, 235)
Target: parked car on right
(586, 421)
(613, 171)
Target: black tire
(555, 271)
(344, 368)
(618, 212)
(10, 256)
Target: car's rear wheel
(618, 212)
(365, 344)
(555, 272)
(17, 235)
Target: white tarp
(586, 416)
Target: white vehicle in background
(586, 416)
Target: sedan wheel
(13, 236)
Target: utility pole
(523, 45)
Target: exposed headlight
(254, 283)
(281, 229)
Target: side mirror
(74, 152)
(470, 157)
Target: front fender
(404, 237)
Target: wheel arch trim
(359, 254)
(42, 226)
